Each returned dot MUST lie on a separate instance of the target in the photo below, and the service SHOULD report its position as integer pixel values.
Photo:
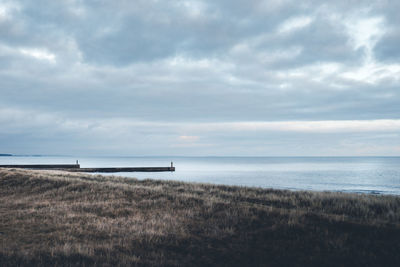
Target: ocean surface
(372, 175)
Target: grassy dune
(57, 218)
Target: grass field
(57, 218)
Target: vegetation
(57, 218)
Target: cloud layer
(200, 77)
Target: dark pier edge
(43, 166)
(125, 169)
(77, 168)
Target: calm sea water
(375, 175)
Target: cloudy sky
(239, 78)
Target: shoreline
(59, 218)
(293, 189)
(357, 175)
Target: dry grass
(56, 218)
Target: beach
(50, 218)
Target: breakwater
(77, 168)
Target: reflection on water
(378, 175)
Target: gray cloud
(196, 62)
(388, 48)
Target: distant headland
(5, 155)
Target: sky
(200, 78)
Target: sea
(369, 175)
